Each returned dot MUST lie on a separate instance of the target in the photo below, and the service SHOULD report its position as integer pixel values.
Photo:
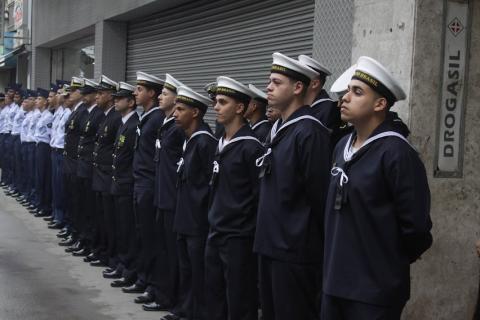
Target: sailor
(126, 233)
(73, 131)
(377, 213)
(256, 113)
(230, 265)
(42, 137)
(88, 131)
(164, 278)
(104, 254)
(324, 108)
(193, 176)
(146, 94)
(294, 181)
(56, 144)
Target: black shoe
(109, 270)
(56, 226)
(114, 274)
(63, 235)
(121, 283)
(49, 219)
(171, 317)
(75, 247)
(67, 242)
(98, 263)
(91, 257)
(81, 253)
(153, 306)
(40, 214)
(134, 288)
(146, 297)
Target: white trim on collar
(274, 131)
(222, 143)
(320, 101)
(256, 125)
(148, 112)
(185, 143)
(348, 154)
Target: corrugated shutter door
(202, 40)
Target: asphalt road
(38, 280)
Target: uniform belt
(59, 150)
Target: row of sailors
(154, 234)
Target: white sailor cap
(192, 98)
(124, 90)
(65, 91)
(77, 82)
(147, 80)
(340, 86)
(314, 64)
(232, 88)
(257, 93)
(292, 68)
(171, 83)
(379, 79)
(106, 83)
(89, 87)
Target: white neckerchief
(274, 131)
(127, 116)
(348, 154)
(320, 101)
(158, 143)
(185, 143)
(222, 143)
(259, 123)
(148, 112)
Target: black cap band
(148, 84)
(290, 73)
(376, 85)
(170, 87)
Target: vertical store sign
(450, 133)
(18, 13)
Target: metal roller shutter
(202, 40)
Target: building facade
(429, 45)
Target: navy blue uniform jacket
(377, 217)
(123, 149)
(193, 177)
(168, 150)
(143, 164)
(234, 183)
(293, 188)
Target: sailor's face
(166, 99)
(359, 103)
(280, 91)
(227, 108)
(184, 115)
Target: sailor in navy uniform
(210, 89)
(193, 171)
(126, 237)
(377, 214)
(230, 265)
(146, 93)
(256, 113)
(88, 131)
(42, 137)
(294, 181)
(324, 108)
(168, 150)
(104, 254)
(73, 131)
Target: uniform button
(113, 167)
(113, 178)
